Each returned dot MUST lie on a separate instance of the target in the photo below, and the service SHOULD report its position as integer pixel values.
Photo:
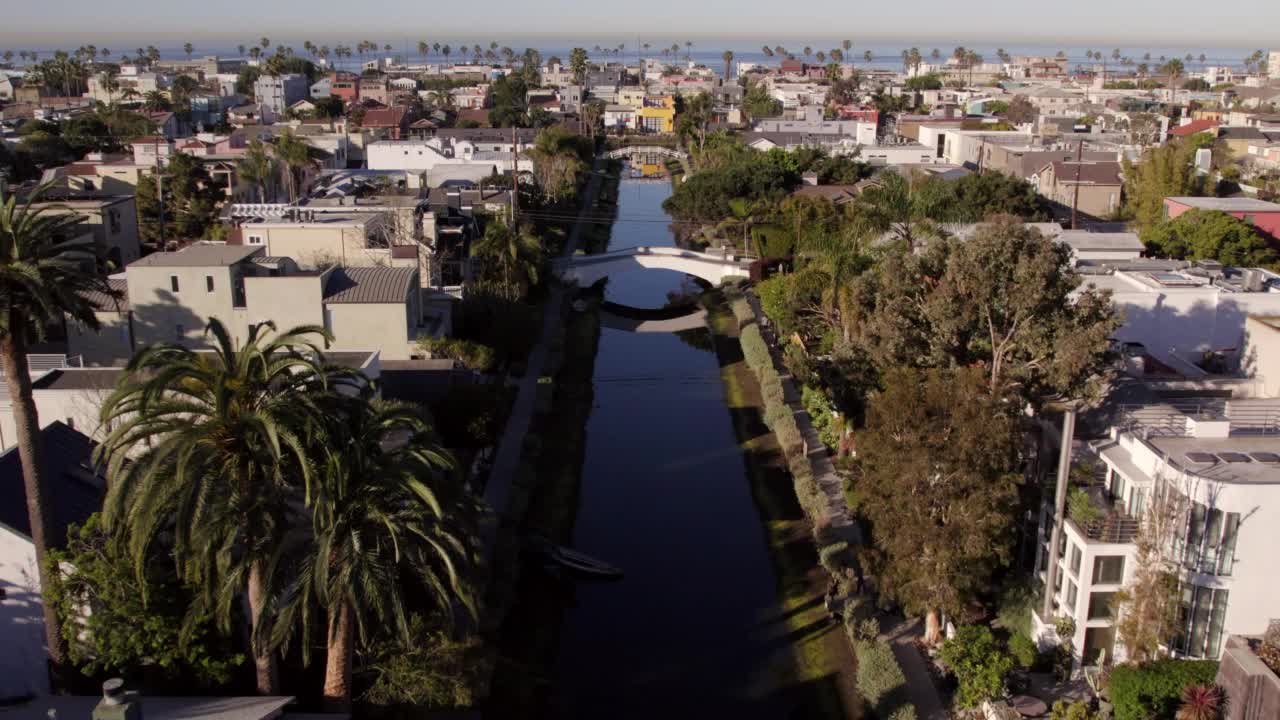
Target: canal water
(691, 629)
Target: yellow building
(658, 115)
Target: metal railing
(39, 363)
(1176, 418)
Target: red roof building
(1193, 128)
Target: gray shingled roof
(75, 488)
(200, 256)
(102, 301)
(369, 285)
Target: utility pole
(160, 193)
(1075, 200)
(515, 178)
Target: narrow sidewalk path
(506, 463)
(924, 694)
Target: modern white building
(278, 92)
(418, 156)
(1210, 470)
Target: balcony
(1097, 516)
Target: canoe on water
(571, 560)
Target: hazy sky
(1235, 23)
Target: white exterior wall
(372, 326)
(22, 664)
(1260, 355)
(1189, 320)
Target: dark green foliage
(471, 416)
(136, 624)
(507, 326)
(1023, 650)
(978, 663)
(191, 201)
(929, 81)
(981, 196)
(434, 672)
(472, 355)
(755, 176)
(1210, 235)
(1155, 689)
(510, 106)
(881, 682)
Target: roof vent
(1266, 457)
(1202, 458)
(1234, 457)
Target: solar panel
(1202, 457)
(1265, 457)
(1234, 457)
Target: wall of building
(161, 315)
(1260, 354)
(372, 326)
(110, 343)
(1190, 321)
(288, 301)
(22, 664)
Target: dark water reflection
(665, 496)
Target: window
(179, 332)
(1211, 540)
(1108, 569)
(173, 283)
(1226, 555)
(1071, 595)
(255, 239)
(1100, 605)
(1117, 487)
(1075, 560)
(208, 283)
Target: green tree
(907, 209)
(191, 202)
(134, 624)
(208, 450)
(979, 664)
(510, 260)
(42, 284)
(559, 156)
(386, 517)
(1004, 300)
(1164, 171)
(1021, 111)
(1210, 235)
(578, 64)
(294, 155)
(188, 48)
(938, 482)
(257, 168)
(693, 122)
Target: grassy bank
(820, 672)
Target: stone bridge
(587, 270)
(629, 150)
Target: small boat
(563, 558)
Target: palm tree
(897, 206)
(208, 449)
(256, 168)
(808, 51)
(265, 42)
(42, 282)
(514, 257)
(847, 45)
(728, 62)
(383, 512)
(188, 48)
(240, 48)
(294, 154)
(423, 49)
(867, 56)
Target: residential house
(1053, 101)
(345, 87)
(112, 220)
(172, 296)
(390, 123)
(619, 117)
(1210, 468)
(375, 88)
(1263, 215)
(470, 96)
(1093, 188)
(862, 133)
(74, 488)
(277, 92)
(658, 115)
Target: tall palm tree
(898, 206)
(867, 56)
(728, 62)
(384, 514)
(208, 449)
(41, 280)
(188, 48)
(257, 168)
(514, 257)
(294, 154)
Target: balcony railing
(45, 363)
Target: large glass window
(1075, 560)
(1195, 536)
(1072, 591)
(1108, 569)
(1228, 551)
(1201, 613)
(1100, 605)
(1212, 539)
(1117, 488)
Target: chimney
(116, 703)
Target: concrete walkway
(924, 694)
(506, 463)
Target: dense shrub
(1156, 689)
(742, 311)
(1023, 650)
(881, 682)
(833, 557)
(754, 349)
(472, 355)
(822, 414)
(978, 663)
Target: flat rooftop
(199, 256)
(1227, 204)
(1237, 459)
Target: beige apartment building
(1099, 183)
(112, 220)
(172, 296)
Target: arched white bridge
(587, 270)
(629, 150)
(696, 318)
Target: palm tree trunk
(264, 660)
(932, 628)
(337, 670)
(13, 358)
